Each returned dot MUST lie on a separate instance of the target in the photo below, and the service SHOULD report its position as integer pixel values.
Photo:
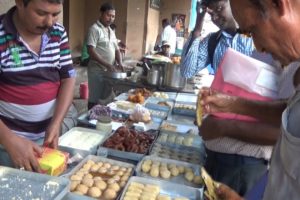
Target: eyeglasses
(244, 32)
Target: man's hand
(111, 68)
(213, 101)
(226, 193)
(51, 136)
(121, 68)
(24, 153)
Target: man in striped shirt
(36, 80)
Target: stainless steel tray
(182, 153)
(97, 159)
(17, 184)
(178, 179)
(81, 151)
(168, 188)
(117, 75)
(104, 151)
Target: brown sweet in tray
(129, 140)
(139, 95)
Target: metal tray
(104, 151)
(176, 152)
(17, 184)
(178, 179)
(83, 139)
(167, 137)
(168, 188)
(73, 196)
(97, 159)
(180, 127)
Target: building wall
(5, 5)
(153, 24)
(76, 25)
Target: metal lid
(104, 119)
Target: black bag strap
(212, 44)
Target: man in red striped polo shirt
(36, 80)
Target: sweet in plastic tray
(83, 141)
(167, 188)
(182, 153)
(126, 154)
(181, 169)
(106, 176)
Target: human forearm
(251, 132)
(5, 134)
(269, 112)
(119, 58)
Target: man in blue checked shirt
(237, 162)
(199, 53)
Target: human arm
(265, 111)
(201, 11)
(22, 152)
(195, 58)
(119, 60)
(63, 102)
(250, 132)
(64, 95)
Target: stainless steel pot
(153, 77)
(172, 77)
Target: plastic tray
(197, 141)
(178, 179)
(121, 97)
(104, 151)
(84, 137)
(83, 119)
(176, 152)
(17, 184)
(96, 159)
(172, 96)
(168, 188)
(184, 111)
(179, 127)
(186, 97)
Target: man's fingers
(27, 166)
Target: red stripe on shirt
(30, 94)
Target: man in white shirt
(168, 34)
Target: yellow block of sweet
(53, 162)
